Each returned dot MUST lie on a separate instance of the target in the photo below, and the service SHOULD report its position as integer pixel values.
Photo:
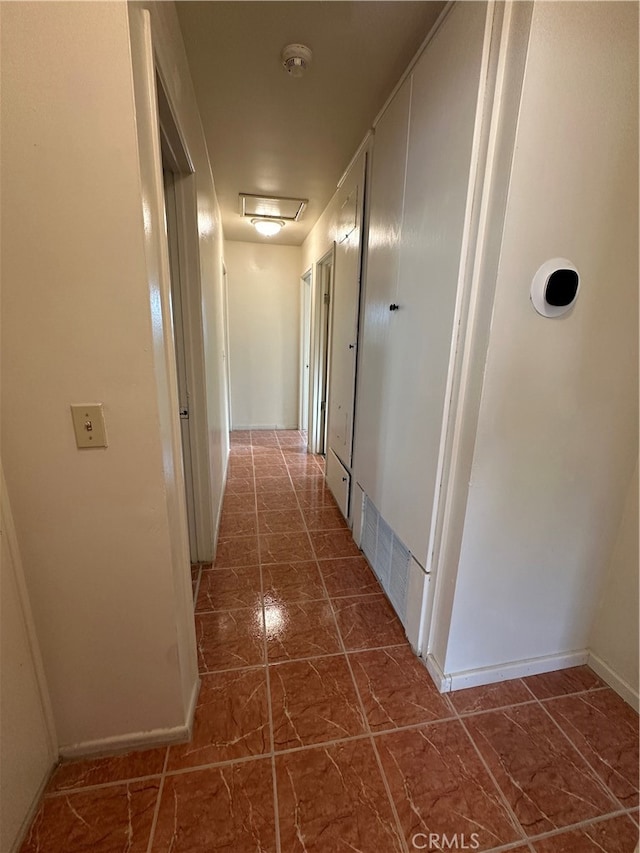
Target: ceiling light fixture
(268, 227)
(296, 59)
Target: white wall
(27, 745)
(557, 432)
(614, 636)
(101, 532)
(264, 334)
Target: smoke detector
(296, 58)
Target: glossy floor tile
(545, 779)
(294, 581)
(396, 688)
(229, 589)
(491, 696)
(300, 629)
(231, 720)
(333, 798)
(73, 775)
(367, 621)
(605, 731)
(317, 729)
(574, 680)
(617, 835)
(228, 808)
(314, 701)
(440, 785)
(118, 817)
(230, 639)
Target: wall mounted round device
(554, 288)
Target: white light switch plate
(88, 423)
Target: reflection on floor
(317, 730)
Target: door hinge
(327, 297)
(184, 414)
(323, 405)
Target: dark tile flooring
(317, 730)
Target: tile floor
(317, 730)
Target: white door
(181, 361)
(344, 324)
(386, 195)
(413, 271)
(445, 89)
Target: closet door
(346, 298)
(386, 194)
(418, 350)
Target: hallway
(308, 682)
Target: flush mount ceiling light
(269, 214)
(296, 59)
(268, 227)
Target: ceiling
(271, 134)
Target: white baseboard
(615, 682)
(33, 808)
(216, 527)
(446, 682)
(136, 740)
(126, 743)
(256, 427)
(441, 681)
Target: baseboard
(191, 710)
(615, 682)
(441, 681)
(256, 427)
(32, 810)
(216, 528)
(136, 740)
(503, 672)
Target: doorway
(305, 349)
(320, 353)
(178, 330)
(180, 206)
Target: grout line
(467, 714)
(581, 825)
(274, 780)
(531, 701)
(99, 786)
(156, 810)
(575, 693)
(365, 718)
(323, 599)
(285, 661)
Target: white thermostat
(554, 288)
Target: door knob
(393, 307)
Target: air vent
(271, 207)
(388, 557)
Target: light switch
(88, 423)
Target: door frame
(320, 367)
(227, 338)
(177, 160)
(306, 290)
